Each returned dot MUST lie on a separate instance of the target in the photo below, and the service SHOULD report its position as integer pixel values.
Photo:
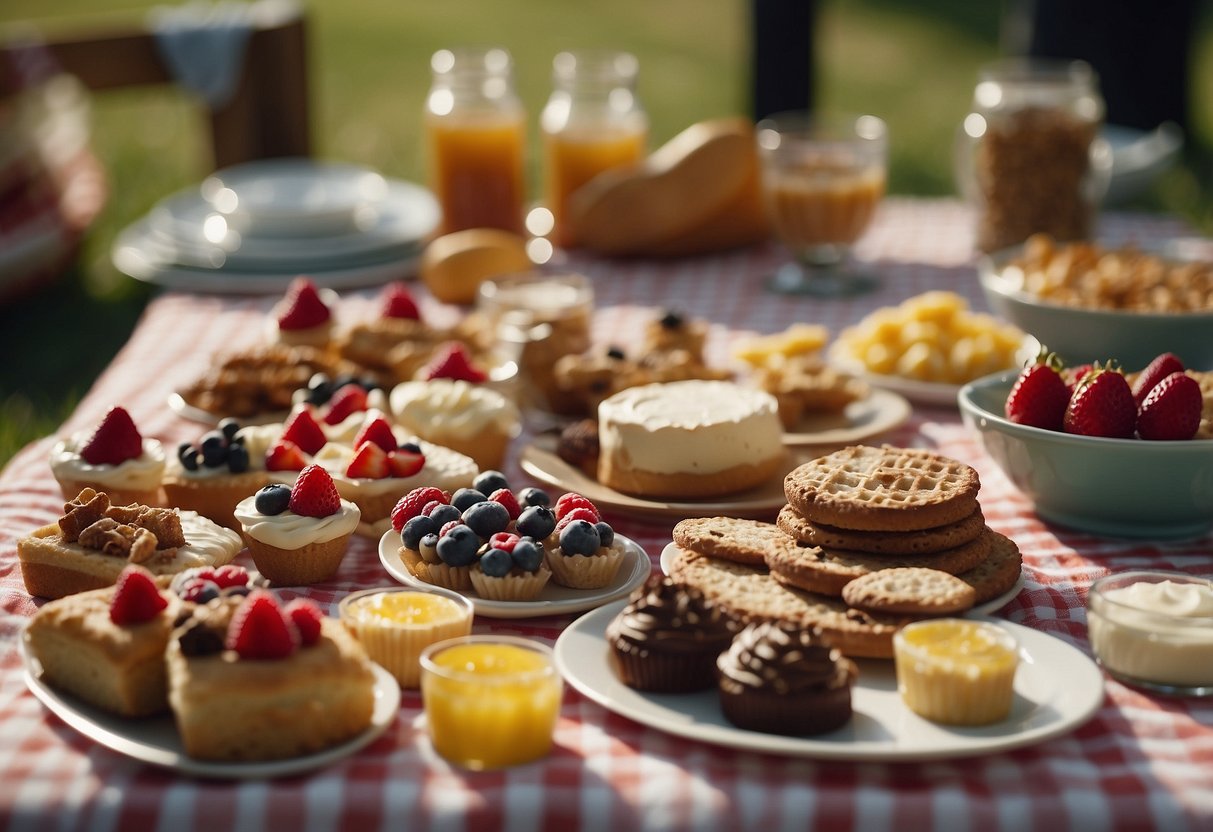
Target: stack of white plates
(252, 228)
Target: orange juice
(823, 203)
(476, 169)
(490, 701)
(573, 157)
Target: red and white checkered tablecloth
(1140, 762)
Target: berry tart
(251, 679)
(115, 458)
(94, 541)
(302, 318)
(458, 413)
(581, 549)
(340, 404)
(107, 646)
(213, 474)
(298, 535)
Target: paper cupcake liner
(439, 574)
(310, 564)
(512, 587)
(585, 571)
(398, 649)
(663, 672)
(801, 714)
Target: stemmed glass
(823, 178)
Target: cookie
(827, 571)
(741, 541)
(747, 595)
(910, 591)
(921, 542)
(883, 489)
(998, 572)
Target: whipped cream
(289, 530)
(347, 428)
(698, 427)
(258, 439)
(206, 544)
(1166, 598)
(445, 469)
(142, 473)
(454, 408)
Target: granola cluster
(397, 348)
(134, 532)
(261, 380)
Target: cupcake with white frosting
(472, 419)
(115, 458)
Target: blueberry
(428, 547)
(606, 535)
(534, 497)
(487, 518)
(317, 381)
(537, 522)
(344, 379)
(273, 499)
(417, 528)
(459, 547)
(616, 353)
(527, 555)
(496, 563)
(242, 590)
(317, 397)
(445, 514)
(368, 383)
(228, 428)
(188, 455)
(411, 447)
(238, 439)
(201, 591)
(487, 482)
(237, 459)
(579, 538)
(465, 498)
(214, 449)
(670, 320)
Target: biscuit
(827, 571)
(883, 489)
(910, 591)
(746, 595)
(998, 572)
(920, 542)
(741, 541)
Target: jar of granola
(1029, 156)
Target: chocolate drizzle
(671, 619)
(783, 660)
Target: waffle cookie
(998, 572)
(741, 541)
(910, 591)
(919, 542)
(883, 489)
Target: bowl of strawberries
(1102, 450)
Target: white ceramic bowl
(1082, 335)
(1115, 487)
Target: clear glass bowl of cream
(1154, 630)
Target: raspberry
(412, 504)
(230, 575)
(114, 441)
(314, 494)
(302, 307)
(431, 505)
(570, 501)
(198, 591)
(453, 362)
(399, 303)
(579, 513)
(259, 630)
(507, 499)
(306, 617)
(446, 527)
(505, 541)
(301, 428)
(136, 599)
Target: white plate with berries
(554, 600)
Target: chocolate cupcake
(783, 680)
(667, 639)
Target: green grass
(913, 64)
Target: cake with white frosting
(470, 418)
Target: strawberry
(369, 463)
(411, 504)
(376, 429)
(302, 429)
(314, 494)
(306, 617)
(114, 441)
(136, 599)
(230, 575)
(259, 630)
(570, 501)
(505, 541)
(1102, 405)
(302, 307)
(589, 515)
(405, 463)
(1155, 371)
(399, 303)
(348, 400)
(1172, 409)
(284, 455)
(1039, 396)
(452, 361)
(507, 499)
(1074, 375)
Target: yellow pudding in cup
(490, 701)
(955, 671)
(395, 624)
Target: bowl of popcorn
(1100, 450)
(1089, 302)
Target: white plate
(934, 393)
(539, 459)
(554, 600)
(988, 608)
(154, 740)
(1057, 688)
(878, 412)
(1138, 158)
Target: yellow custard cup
(490, 701)
(956, 671)
(395, 624)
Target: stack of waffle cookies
(871, 538)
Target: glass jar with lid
(592, 122)
(475, 128)
(1029, 156)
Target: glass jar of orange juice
(476, 134)
(592, 122)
